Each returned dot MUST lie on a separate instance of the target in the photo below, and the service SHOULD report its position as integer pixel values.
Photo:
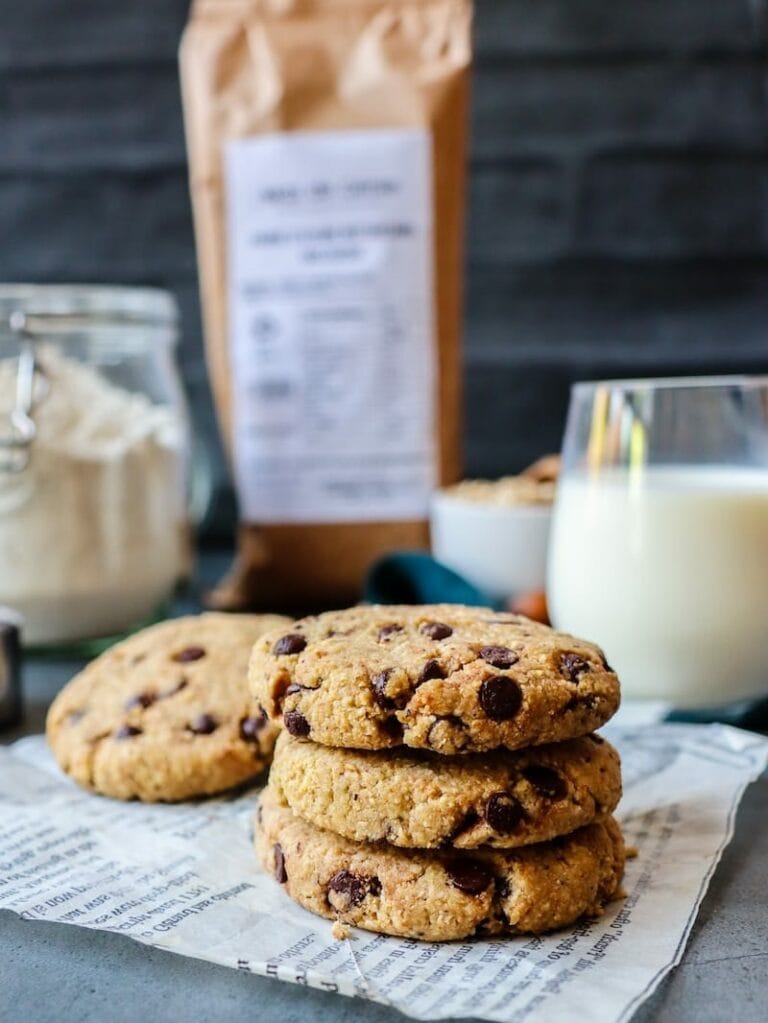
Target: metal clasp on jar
(16, 441)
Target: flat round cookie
(443, 677)
(441, 896)
(166, 714)
(422, 800)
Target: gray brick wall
(618, 197)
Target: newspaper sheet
(184, 878)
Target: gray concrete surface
(54, 973)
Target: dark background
(618, 201)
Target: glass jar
(93, 456)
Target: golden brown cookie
(422, 800)
(441, 896)
(166, 714)
(443, 677)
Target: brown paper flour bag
(326, 146)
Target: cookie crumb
(340, 931)
(631, 853)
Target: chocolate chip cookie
(441, 896)
(422, 800)
(166, 715)
(444, 677)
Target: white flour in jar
(90, 530)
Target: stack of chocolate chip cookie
(437, 775)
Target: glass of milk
(659, 543)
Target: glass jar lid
(66, 306)
(101, 322)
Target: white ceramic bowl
(500, 549)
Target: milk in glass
(667, 568)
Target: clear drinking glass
(659, 546)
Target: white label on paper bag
(332, 325)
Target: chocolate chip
(467, 822)
(389, 630)
(432, 669)
(499, 656)
(352, 888)
(296, 724)
(393, 728)
(127, 732)
(204, 724)
(503, 812)
(141, 700)
(251, 726)
(469, 876)
(190, 653)
(281, 874)
(294, 687)
(379, 685)
(606, 665)
(573, 666)
(546, 780)
(293, 643)
(437, 630)
(500, 697)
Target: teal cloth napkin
(412, 577)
